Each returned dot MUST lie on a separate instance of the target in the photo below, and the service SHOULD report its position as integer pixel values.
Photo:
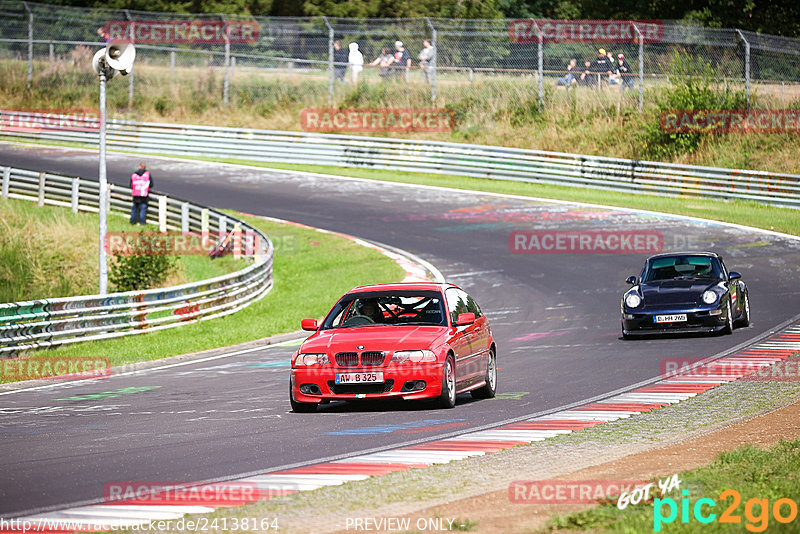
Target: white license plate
(359, 378)
(674, 318)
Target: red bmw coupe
(405, 340)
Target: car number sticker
(359, 378)
(674, 318)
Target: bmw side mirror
(465, 319)
(309, 324)
(733, 275)
(631, 280)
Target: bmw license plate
(359, 378)
(674, 318)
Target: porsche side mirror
(733, 275)
(631, 280)
(465, 319)
(309, 324)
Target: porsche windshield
(682, 268)
(387, 308)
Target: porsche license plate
(674, 318)
(359, 378)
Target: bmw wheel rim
(492, 371)
(451, 382)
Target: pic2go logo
(756, 511)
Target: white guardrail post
(27, 326)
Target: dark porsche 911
(684, 292)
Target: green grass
(752, 472)
(49, 251)
(311, 270)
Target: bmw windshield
(387, 308)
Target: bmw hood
(379, 338)
(675, 291)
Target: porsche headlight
(312, 358)
(709, 297)
(632, 300)
(414, 356)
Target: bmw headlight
(415, 356)
(633, 300)
(709, 297)
(312, 359)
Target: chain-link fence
(190, 60)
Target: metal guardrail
(37, 324)
(494, 162)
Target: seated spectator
(587, 79)
(601, 65)
(626, 75)
(569, 79)
(613, 78)
(384, 63)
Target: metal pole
(103, 203)
(6, 181)
(640, 36)
(130, 73)
(172, 62)
(330, 60)
(540, 55)
(226, 82)
(432, 63)
(30, 44)
(746, 66)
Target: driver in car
(369, 308)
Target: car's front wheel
(301, 407)
(488, 390)
(448, 397)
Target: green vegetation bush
(695, 87)
(142, 271)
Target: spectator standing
(426, 59)
(402, 59)
(340, 60)
(625, 74)
(384, 63)
(356, 60)
(141, 182)
(569, 79)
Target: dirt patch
(495, 513)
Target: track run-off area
(555, 318)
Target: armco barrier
(499, 163)
(46, 323)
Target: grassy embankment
(489, 110)
(311, 270)
(51, 252)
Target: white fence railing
(46, 323)
(494, 162)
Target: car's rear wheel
(448, 397)
(744, 320)
(729, 323)
(301, 407)
(488, 390)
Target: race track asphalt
(555, 318)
